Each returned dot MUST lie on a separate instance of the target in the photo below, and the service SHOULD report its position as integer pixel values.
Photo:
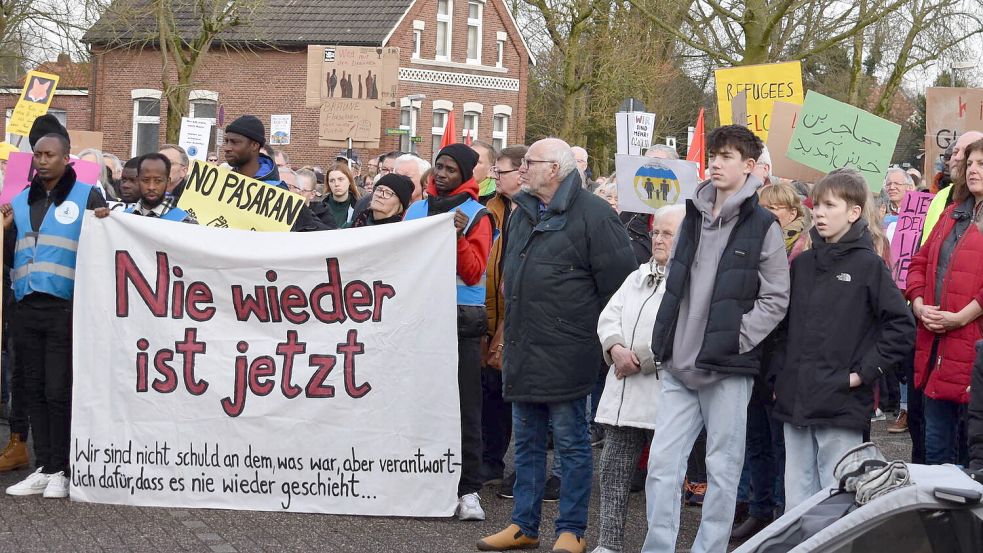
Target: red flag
(449, 130)
(697, 150)
(467, 137)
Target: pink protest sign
(908, 233)
(18, 174)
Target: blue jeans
(571, 443)
(763, 480)
(945, 433)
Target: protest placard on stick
(762, 85)
(908, 233)
(645, 184)
(831, 135)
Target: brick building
(465, 56)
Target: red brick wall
(269, 82)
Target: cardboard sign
(221, 198)
(343, 119)
(280, 129)
(19, 173)
(949, 112)
(763, 86)
(83, 140)
(907, 233)
(194, 137)
(35, 99)
(273, 372)
(831, 135)
(738, 106)
(784, 117)
(645, 183)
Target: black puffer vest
(734, 291)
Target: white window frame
(477, 24)
(137, 95)
(199, 97)
(504, 112)
(502, 37)
(418, 27)
(448, 19)
(444, 107)
(475, 109)
(413, 106)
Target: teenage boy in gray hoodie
(727, 288)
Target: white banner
(646, 183)
(312, 372)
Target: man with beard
(152, 176)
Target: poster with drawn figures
(352, 73)
(646, 184)
(266, 372)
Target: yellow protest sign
(763, 85)
(218, 197)
(39, 89)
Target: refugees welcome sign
(311, 372)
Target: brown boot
(14, 456)
(507, 540)
(568, 542)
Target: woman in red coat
(945, 287)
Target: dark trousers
(916, 412)
(696, 465)
(765, 460)
(43, 351)
(18, 396)
(496, 424)
(471, 324)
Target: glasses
(526, 162)
(894, 185)
(656, 235)
(385, 170)
(383, 192)
(295, 188)
(497, 172)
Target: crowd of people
(724, 353)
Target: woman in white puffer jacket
(632, 389)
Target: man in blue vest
(452, 188)
(152, 177)
(727, 288)
(46, 220)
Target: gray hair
(907, 178)
(668, 150)
(421, 163)
(765, 158)
(182, 153)
(674, 210)
(117, 164)
(307, 174)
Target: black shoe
(505, 488)
(552, 492)
(741, 512)
(751, 526)
(638, 480)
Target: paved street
(36, 524)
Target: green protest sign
(832, 135)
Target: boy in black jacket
(847, 324)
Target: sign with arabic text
(832, 135)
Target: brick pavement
(51, 525)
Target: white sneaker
(57, 487)
(878, 416)
(34, 484)
(601, 549)
(469, 507)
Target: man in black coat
(567, 254)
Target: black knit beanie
(401, 185)
(465, 157)
(249, 126)
(43, 125)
